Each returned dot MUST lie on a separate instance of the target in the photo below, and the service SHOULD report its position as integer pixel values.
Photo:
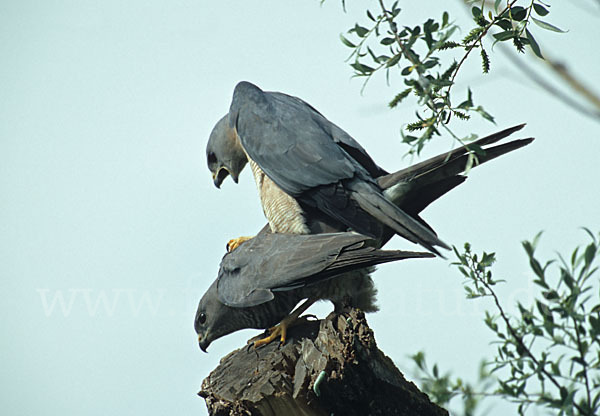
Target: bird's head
(224, 153)
(215, 320)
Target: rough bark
(326, 367)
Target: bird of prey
(313, 177)
(306, 168)
(412, 189)
(259, 284)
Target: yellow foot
(236, 242)
(280, 330)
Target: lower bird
(260, 283)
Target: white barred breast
(282, 211)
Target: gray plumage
(301, 151)
(224, 156)
(260, 282)
(412, 189)
(312, 160)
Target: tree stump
(326, 367)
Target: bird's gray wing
(248, 274)
(275, 262)
(356, 256)
(286, 140)
(339, 136)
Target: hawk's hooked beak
(220, 176)
(203, 343)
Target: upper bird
(308, 171)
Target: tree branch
(325, 367)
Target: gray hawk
(259, 284)
(305, 168)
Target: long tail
(415, 187)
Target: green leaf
(529, 248)
(429, 27)
(468, 103)
(536, 267)
(595, 323)
(485, 114)
(387, 41)
(441, 83)
(419, 359)
(518, 13)
(406, 138)
(547, 26)
(393, 61)
(533, 44)
(539, 9)
(536, 240)
(589, 254)
(544, 311)
(448, 72)
(567, 278)
(347, 42)
(430, 63)
(362, 68)
(504, 24)
(360, 31)
(508, 34)
(445, 19)
(487, 259)
(481, 21)
(370, 51)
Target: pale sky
(111, 228)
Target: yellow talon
(289, 321)
(236, 242)
(278, 330)
(281, 329)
